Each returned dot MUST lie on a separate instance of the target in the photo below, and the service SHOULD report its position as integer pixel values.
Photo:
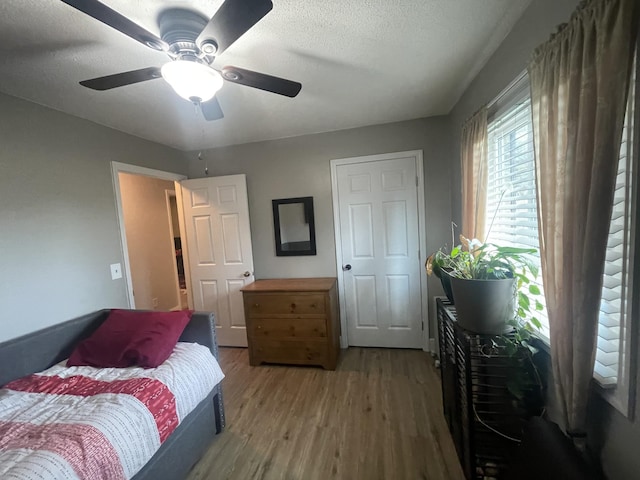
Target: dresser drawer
(284, 351)
(274, 304)
(287, 327)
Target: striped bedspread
(98, 423)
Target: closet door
(377, 211)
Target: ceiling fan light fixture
(192, 80)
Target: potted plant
(491, 285)
(495, 295)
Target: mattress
(98, 423)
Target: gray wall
(613, 437)
(300, 166)
(58, 219)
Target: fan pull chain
(206, 162)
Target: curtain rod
(507, 89)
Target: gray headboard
(40, 349)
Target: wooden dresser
(293, 320)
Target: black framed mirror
(294, 226)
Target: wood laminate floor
(378, 416)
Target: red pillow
(131, 338)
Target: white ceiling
(360, 62)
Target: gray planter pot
(484, 306)
(445, 279)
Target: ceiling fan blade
(211, 109)
(110, 17)
(233, 18)
(281, 86)
(122, 79)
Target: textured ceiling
(360, 62)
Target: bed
(45, 348)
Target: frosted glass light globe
(191, 80)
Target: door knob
(346, 267)
(247, 274)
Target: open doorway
(151, 231)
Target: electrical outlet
(154, 302)
(116, 271)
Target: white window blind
(511, 188)
(614, 306)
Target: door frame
(117, 168)
(167, 195)
(422, 254)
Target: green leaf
(534, 289)
(534, 270)
(505, 250)
(532, 349)
(539, 306)
(536, 322)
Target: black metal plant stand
(483, 416)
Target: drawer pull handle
(313, 305)
(293, 305)
(259, 327)
(256, 305)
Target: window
(512, 220)
(511, 190)
(615, 302)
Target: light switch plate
(116, 271)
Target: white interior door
(216, 214)
(380, 244)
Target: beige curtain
(579, 82)
(473, 156)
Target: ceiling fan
(192, 42)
